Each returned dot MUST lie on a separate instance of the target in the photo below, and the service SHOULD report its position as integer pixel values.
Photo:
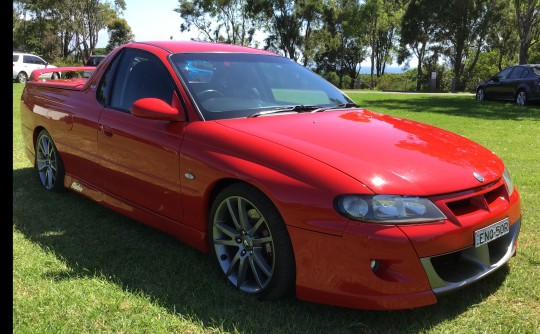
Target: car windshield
(233, 85)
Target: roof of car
(196, 46)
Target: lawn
(81, 268)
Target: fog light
(374, 264)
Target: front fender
(302, 188)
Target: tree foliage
(226, 21)
(62, 28)
(333, 37)
(463, 26)
(418, 28)
(119, 33)
(528, 26)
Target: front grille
(481, 201)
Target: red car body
(165, 165)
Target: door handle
(105, 130)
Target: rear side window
(15, 58)
(518, 72)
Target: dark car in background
(520, 83)
(93, 60)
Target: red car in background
(289, 185)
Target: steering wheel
(209, 93)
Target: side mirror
(153, 108)
(495, 78)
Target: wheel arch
(35, 135)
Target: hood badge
(479, 177)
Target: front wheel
(521, 98)
(49, 165)
(480, 95)
(250, 242)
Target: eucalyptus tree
(417, 35)
(60, 28)
(288, 25)
(227, 21)
(503, 38)
(528, 26)
(382, 19)
(343, 49)
(119, 33)
(463, 27)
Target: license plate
(491, 232)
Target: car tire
(48, 163)
(250, 243)
(22, 77)
(55, 76)
(480, 95)
(521, 97)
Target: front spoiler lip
(477, 262)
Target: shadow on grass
(465, 106)
(96, 242)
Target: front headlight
(508, 181)
(388, 209)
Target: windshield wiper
(346, 105)
(303, 108)
(339, 106)
(298, 108)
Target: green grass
(81, 268)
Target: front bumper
(417, 263)
(455, 270)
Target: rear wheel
(22, 77)
(49, 165)
(250, 242)
(521, 98)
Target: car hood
(387, 154)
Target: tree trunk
(523, 53)
(419, 77)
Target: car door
(515, 79)
(140, 157)
(31, 63)
(496, 87)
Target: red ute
(290, 186)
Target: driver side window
(504, 73)
(140, 75)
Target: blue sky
(151, 20)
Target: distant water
(388, 69)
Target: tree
(381, 20)
(60, 28)
(528, 26)
(344, 48)
(226, 21)
(119, 33)
(288, 25)
(503, 38)
(462, 31)
(418, 27)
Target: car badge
(479, 177)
